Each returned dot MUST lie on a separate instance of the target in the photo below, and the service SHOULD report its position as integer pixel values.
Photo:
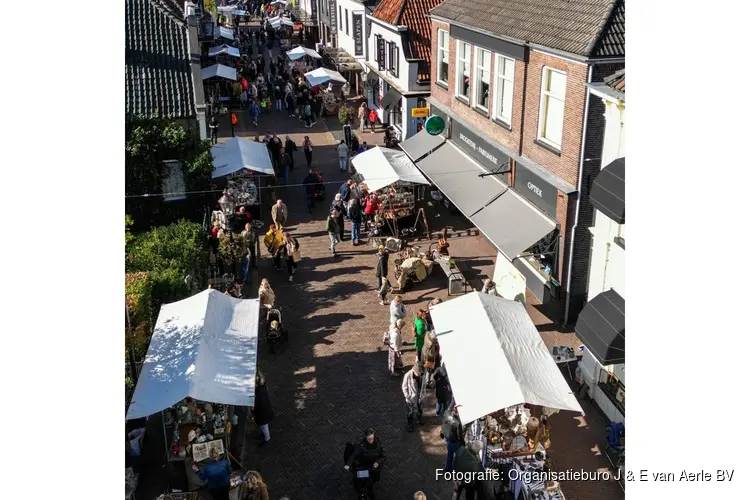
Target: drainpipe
(578, 202)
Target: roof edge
(602, 27)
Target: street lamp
(226, 203)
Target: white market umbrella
(220, 71)
(300, 52)
(238, 153)
(323, 75)
(224, 49)
(495, 357)
(277, 22)
(278, 2)
(382, 167)
(224, 32)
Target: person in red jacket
(371, 208)
(373, 120)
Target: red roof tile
(413, 15)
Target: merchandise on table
(197, 428)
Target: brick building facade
(565, 168)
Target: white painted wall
(406, 72)
(345, 41)
(305, 6)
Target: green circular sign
(434, 125)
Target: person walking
(338, 205)
(332, 226)
(430, 355)
(279, 214)
(256, 487)
(307, 149)
(367, 454)
(395, 340)
(452, 432)
(291, 254)
(443, 393)
(277, 94)
(310, 182)
(381, 271)
(414, 392)
(355, 214)
(273, 240)
(286, 163)
(213, 125)
(420, 329)
(248, 234)
(290, 147)
(385, 287)
(362, 116)
(343, 150)
(275, 147)
(468, 460)
(217, 474)
(397, 310)
(262, 411)
(254, 111)
(373, 119)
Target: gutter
(578, 201)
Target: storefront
(394, 106)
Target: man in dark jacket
(309, 182)
(275, 146)
(452, 432)
(369, 454)
(467, 460)
(381, 272)
(443, 392)
(262, 411)
(290, 147)
(355, 214)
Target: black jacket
(366, 454)
(310, 181)
(382, 269)
(466, 461)
(443, 391)
(290, 146)
(262, 411)
(452, 429)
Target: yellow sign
(420, 112)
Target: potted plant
(451, 264)
(346, 114)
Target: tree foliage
(232, 249)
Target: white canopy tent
(323, 75)
(226, 8)
(278, 2)
(204, 347)
(219, 71)
(496, 358)
(240, 12)
(381, 167)
(224, 49)
(300, 52)
(238, 153)
(278, 22)
(224, 32)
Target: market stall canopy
(219, 71)
(238, 153)
(224, 32)
(226, 8)
(278, 2)
(608, 191)
(496, 358)
(241, 13)
(601, 327)
(300, 52)
(323, 75)
(204, 347)
(224, 49)
(277, 22)
(382, 167)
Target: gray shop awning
(456, 175)
(608, 191)
(420, 144)
(601, 327)
(512, 224)
(390, 99)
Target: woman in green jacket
(420, 329)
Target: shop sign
(334, 20)
(534, 188)
(446, 129)
(381, 53)
(478, 148)
(314, 10)
(420, 112)
(359, 43)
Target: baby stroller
(275, 333)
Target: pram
(275, 333)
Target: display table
(456, 280)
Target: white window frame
(498, 92)
(476, 71)
(447, 51)
(544, 96)
(459, 75)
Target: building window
(443, 57)
(503, 96)
(463, 70)
(398, 115)
(346, 20)
(552, 107)
(482, 61)
(393, 59)
(340, 20)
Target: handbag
(429, 364)
(296, 257)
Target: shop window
(398, 115)
(421, 102)
(542, 256)
(463, 70)
(443, 57)
(552, 107)
(611, 385)
(393, 59)
(482, 61)
(340, 23)
(502, 108)
(346, 21)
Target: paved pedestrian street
(331, 381)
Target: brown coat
(278, 214)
